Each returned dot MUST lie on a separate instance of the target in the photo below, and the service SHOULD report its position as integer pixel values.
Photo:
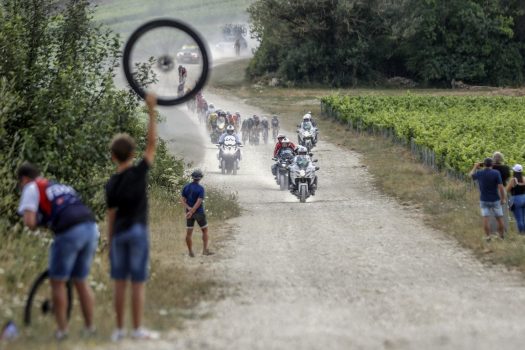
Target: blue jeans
(519, 211)
(72, 251)
(129, 254)
(489, 208)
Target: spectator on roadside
(516, 187)
(492, 195)
(499, 165)
(59, 207)
(127, 220)
(192, 198)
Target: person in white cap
(516, 187)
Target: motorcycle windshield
(287, 153)
(302, 162)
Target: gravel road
(350, 269)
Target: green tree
(59, 106)
(339, 42)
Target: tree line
(349, 42)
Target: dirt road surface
(350, 269)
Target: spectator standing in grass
(192, 198)
(516, 187)
(492, 195)
(127, 215)
(59, 207)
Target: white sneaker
(61, 335)
(118, 335)
(145, 334)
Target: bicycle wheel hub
(166, 63)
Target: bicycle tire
(155, 24)
(34, 289)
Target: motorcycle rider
(279, 145)
(230, 131)
(284, 144)
(302, 155)
(308, 118)
(307, 124)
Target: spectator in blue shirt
(192, 198)
(492, 195)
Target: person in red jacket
(279, 145)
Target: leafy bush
(59, 107)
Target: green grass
(446, 204)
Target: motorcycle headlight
(302, 173)
(307, 134)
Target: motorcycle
(229, 155)
(303, 178)
(305, 137)
(281, 168)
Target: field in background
(446, 204)
(123, 16)
(452, 132)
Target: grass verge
(176, 285)
(448, 205)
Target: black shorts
(200, 218)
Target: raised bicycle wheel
(154, 55)
(39, 304)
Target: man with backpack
(59, 207)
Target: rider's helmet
(307, 117)
(211, 106)
(230, 129)
(285, 142)
(221, 113)
(255, 117)
(280, 137)
(197, 174)
(302, 151)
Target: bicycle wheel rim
(167, 23)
